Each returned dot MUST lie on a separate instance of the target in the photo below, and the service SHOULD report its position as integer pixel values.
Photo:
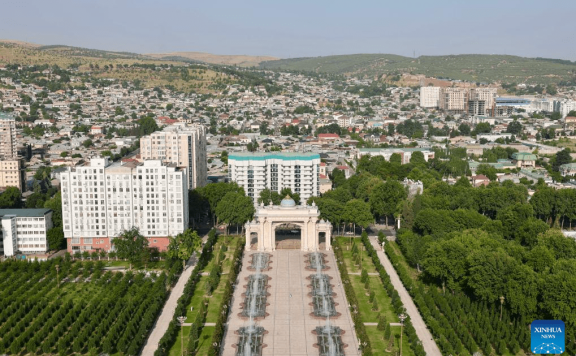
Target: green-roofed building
(524, 160)
(299, 171)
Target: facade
(482, 101)
(101, 200)
(524, 160)
(275, 171)
(345, 121)
(182, 145)
(453, 100)
(268, 218)
(24, 231)
(429, 97)
(405, 153)
(7, 136)
(568, 169)
(12, 173)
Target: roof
(261, 156)
(25, 212)
(327, 135)
(523, 156)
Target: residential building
(482, 101)
(345, 121)
(524, 160)
(101, 200)
(405, 153)
(429, 97)
(453, 100)
(275, 171)
(568, 169)
(182, 145)
(7, 136)
(24, 231)
(12, 173)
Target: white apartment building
(101, 200)
(182, 145)
(429, 97)
(7, 136)
(24, 231)
(345, 121)
(275, 171)
(405, 153)
(482, 101)
(453, 100)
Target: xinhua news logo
(547, 337)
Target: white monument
(268, 218)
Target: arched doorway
(322, 240)
(253, 240)
(288, 236)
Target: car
(294, 231)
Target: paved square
(289, 325)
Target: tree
(385, 198)
(358, 212)
(338, 177)
(11, 198)
(417, 158)
(55, 203)
(562, 157)
(464, 129)
(130, 245)
(482, 127)
(515, 127)
(64, 154)
(235, 208)
(184, 245)
(87, 143)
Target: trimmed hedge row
(352, 299)
(217, 337)
(171, 334)
(415, 343)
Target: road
(167, 314)
(422, 331)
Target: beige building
(453, 100)
(182, 145)
(429, 97)
(12, 173)
(7, 136)
(482, 101)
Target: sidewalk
(421, 330)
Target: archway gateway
(268, 218)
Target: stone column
(328, 240)
(261, 237)
(304, 240)
(248, 237)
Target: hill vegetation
(237, 60)
(468, 67)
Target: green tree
(87, 143)
(417, 158)
(385, 198)
(357, 212)
(235, 208)
(183, 245)
(56, 240)
(130, 245)
(11, 198)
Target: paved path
(169, 308)
(370, 324)
(205, 324)
(421, 330)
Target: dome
(287, 202)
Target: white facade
(101, 200)
(275, 171)
(182, 145)
(24, 231)
(7, 136)
(429, 97)
(405, 153)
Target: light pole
(402, 317)
(58, 275)
(501, 303)
(181, 319)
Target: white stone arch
(267, 219)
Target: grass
(347, 251)
(214, 301)
(384, 305)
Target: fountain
(250, 341)
(322, 301)
(329, 340)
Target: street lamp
(57, 275)
(402, 317)
(501, 303)
(181, 319)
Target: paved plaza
(289, 323)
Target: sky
(299, 28)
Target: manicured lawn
(379, 344)
(384, 304)
(347, 251)
(214, 301)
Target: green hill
(469, 67)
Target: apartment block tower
(12, 173)
(183, 145)
(275, 171)
(7, 136)
(24, 231)
(481, 101)
(101, 200)
(429, 97)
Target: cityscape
(171, 203)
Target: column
(261, 237)
(248, 238)
(328, 240)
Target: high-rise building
(453, 100)
(7, 136)
(429, 97)
(24, 231)
(12, 173)
(101, 200)
(182, 145)
(482, 101)
(275, 171)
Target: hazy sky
(299, 28)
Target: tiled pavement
(289, 325)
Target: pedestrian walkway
(169, 308)
(421, 330)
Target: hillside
(238, 60)
(469, 67)
(115, 65)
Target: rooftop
(259, 156)
(25, 212)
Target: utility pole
(181, 319)
(57, 275)
(402, 317)
(501, 303)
